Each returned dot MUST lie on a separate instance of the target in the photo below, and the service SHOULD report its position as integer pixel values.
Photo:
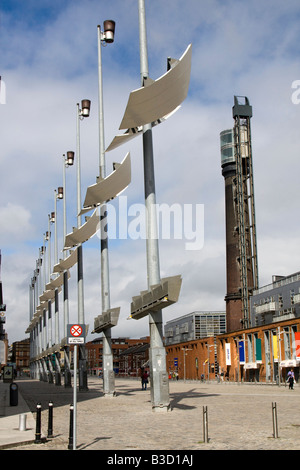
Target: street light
(60, 192)
(184, 354)
(208, 351)
(67, 161)
(39, 324)
(85, 108)
(104, 37)
(35, 328)
(51, 220)
(81, 114)
(157, 353)
(279, 355)
(44, 314)
(36, 281)
(109, 31)
(57, 195)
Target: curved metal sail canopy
(47, 295)
(67, 263)
(57, 282)
(83, 233)
(161, 97)
(108, 188)
(154, 102)
(134, 132)
(50, 294)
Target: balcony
(269, 307)
(296, 299)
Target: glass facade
(227, 147)
(195, 325)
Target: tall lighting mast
(241, 244)
(2, 308)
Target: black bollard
(38, 438)
(13, 394)
(70, 446)
(50, 419)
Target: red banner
(297, 343)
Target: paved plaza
(239, 417)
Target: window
(292, 294)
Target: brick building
(263, 354)
(3, 351)
(20, 356)
(128, 355)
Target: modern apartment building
(195, 325)
(277, 301)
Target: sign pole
(75, 397)
(76, 336)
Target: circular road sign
(76, 330)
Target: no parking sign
(76, 333)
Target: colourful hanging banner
(242, 352)
(228, 355)
(297, 344)
(258, 356)
(275, 348)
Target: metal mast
(2, 308)
(159, 381)
(242, 114)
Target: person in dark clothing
(144, 380)
(291, 378)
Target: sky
(48, 63)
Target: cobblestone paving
(239, 417)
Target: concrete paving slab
(239, 417)
(13, 429)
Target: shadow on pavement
(175, 398)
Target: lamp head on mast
(108, 35)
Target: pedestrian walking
(144, 380)
(291, 379)
(291, 382)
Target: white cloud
(15, 222)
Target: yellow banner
(275, 347)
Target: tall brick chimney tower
(241, 256)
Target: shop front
(252, 370)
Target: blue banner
(242, 352)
